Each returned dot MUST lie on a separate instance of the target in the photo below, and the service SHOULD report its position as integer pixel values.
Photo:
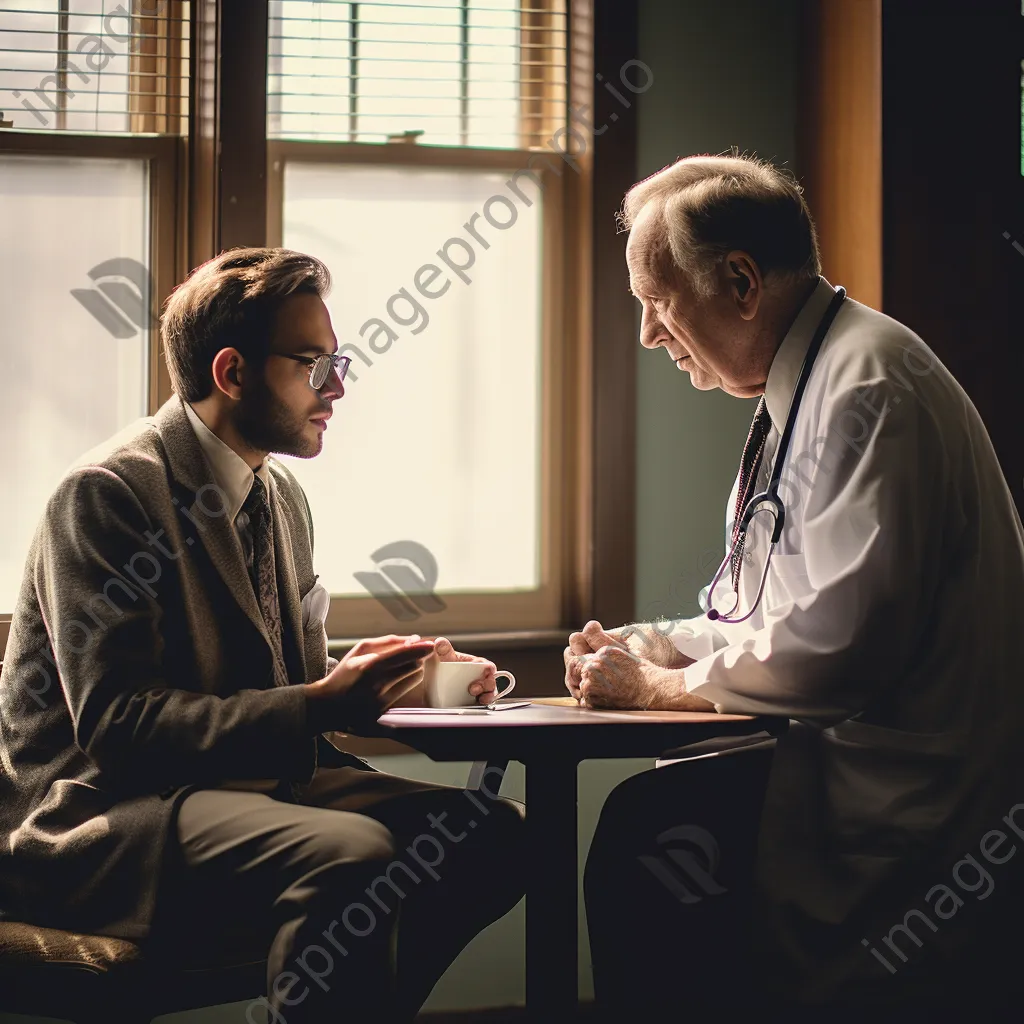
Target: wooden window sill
(476, 643)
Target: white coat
(891, 632)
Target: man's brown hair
(230, 302)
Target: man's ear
(744, 283)
(228, 368)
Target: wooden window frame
(564, 547)
(541, 92)
(164, 156)
(157, 103)
(158, 60)
(541, 608)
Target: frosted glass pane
(68, 380)
(438, 440)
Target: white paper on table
(460, 711)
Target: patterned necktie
(753, 451)
(263, 570)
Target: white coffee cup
(448, 686)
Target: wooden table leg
(551, 894)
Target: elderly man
(873, 579)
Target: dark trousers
(361, 892)
(670, 903)
(669, 889)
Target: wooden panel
(840, 140)
(157, 68)
(910, 150)
(578, 410)
(613, 421)
(242, 123)
(202, 176)
(398, 155)
(167, 196)
(541, 84)
(953, 191)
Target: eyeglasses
(320, 366)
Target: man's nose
(652, 330)
(333, 387)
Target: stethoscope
(769, 500)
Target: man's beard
(266, 424)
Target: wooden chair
(91, 979)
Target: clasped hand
(629, 667)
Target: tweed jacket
(138, 669)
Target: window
(94, 100)
(421, 149)
(405, 151)
(482, 73)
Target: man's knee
(478, 813)
(628, 826)
(507, 817)
(490, 843)
(354, 842)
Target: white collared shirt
(234, 477)
(889, 632)
(230, 471)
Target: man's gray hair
(711, 205)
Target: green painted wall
(725, 75)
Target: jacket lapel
(205, 508)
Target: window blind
(486, 73)
(95, 66)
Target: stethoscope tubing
(770, 496)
